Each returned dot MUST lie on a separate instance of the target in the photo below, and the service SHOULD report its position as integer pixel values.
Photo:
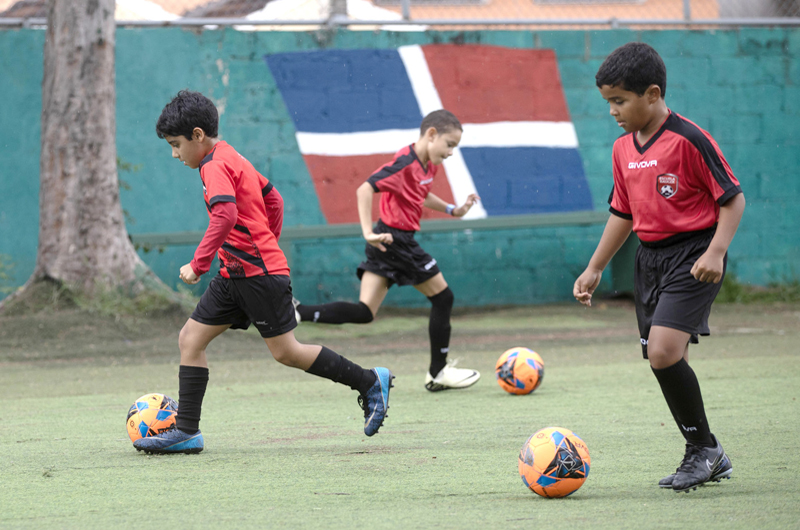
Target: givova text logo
(642, 165)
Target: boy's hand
(462, 210)
(708, 267)
(585, 286)
(188, 275)
(378, 240)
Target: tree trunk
(83, 241)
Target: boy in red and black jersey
(674, 188)
(393, 254)
(253, 286)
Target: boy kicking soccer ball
(253, 286)
(394, 256)
(673, 187)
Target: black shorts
(666, 293)
(265, 301)
(403, 263)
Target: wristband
(449, 209)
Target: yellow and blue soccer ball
(519, 371)
(554, 462)
(151, 415)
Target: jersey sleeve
(222, 221)
(273, 202)
(714, 172)
(389, 177)
(618, 199)
(218, 179)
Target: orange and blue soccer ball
(151, 415)
(554, 462)
(519, 371)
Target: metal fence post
(338, 12)
(687, 9)
(406, 9)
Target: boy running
(253, 286)
(674, 188)
(394, 256)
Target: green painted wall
(741, 85)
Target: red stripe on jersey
(482, 84)
(404, 184)
(675, 183)
(251, 248)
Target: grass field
(287, 450)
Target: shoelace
(693, 454)
(363, 404)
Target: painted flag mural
(353, 109)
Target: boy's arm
(223, 218)
(364, 194)
(274, 205)
(616, 232)
(436, 203)
(708, 267)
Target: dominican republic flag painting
(353, 109)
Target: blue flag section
(353, 109)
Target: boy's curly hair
(633, 67)
(186, 111)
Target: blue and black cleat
(376, 401)
(171, 441)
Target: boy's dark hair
(186, 111)
(633, 67)
(441, 120)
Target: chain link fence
(420, 14)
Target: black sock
(338, 369)
(439, 329)
(192, 383)
(336, 313)
(682, 392)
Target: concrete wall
(743, 86)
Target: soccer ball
(554, 462)
(150, 415)
(519, 371)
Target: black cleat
(700, 465)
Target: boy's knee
(444, 299)
(661, 357)
(184, 338)
(287, 354)
(364, 314)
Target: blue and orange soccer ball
(554, 462)
(519, 371)
(150, 415)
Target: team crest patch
(667, 185)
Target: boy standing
(253, 286)
(394, 256)
(674, 188)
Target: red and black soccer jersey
(673, 184)
(405, 183)
(251, 247)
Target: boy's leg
(192, 382)
(705, 459)
(441, 376)
(665, 350)
(193, 372)
(372, 385)
(373, 292)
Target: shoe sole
(437, 387)
(178, 449)
(192, 451)
(714, 478)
